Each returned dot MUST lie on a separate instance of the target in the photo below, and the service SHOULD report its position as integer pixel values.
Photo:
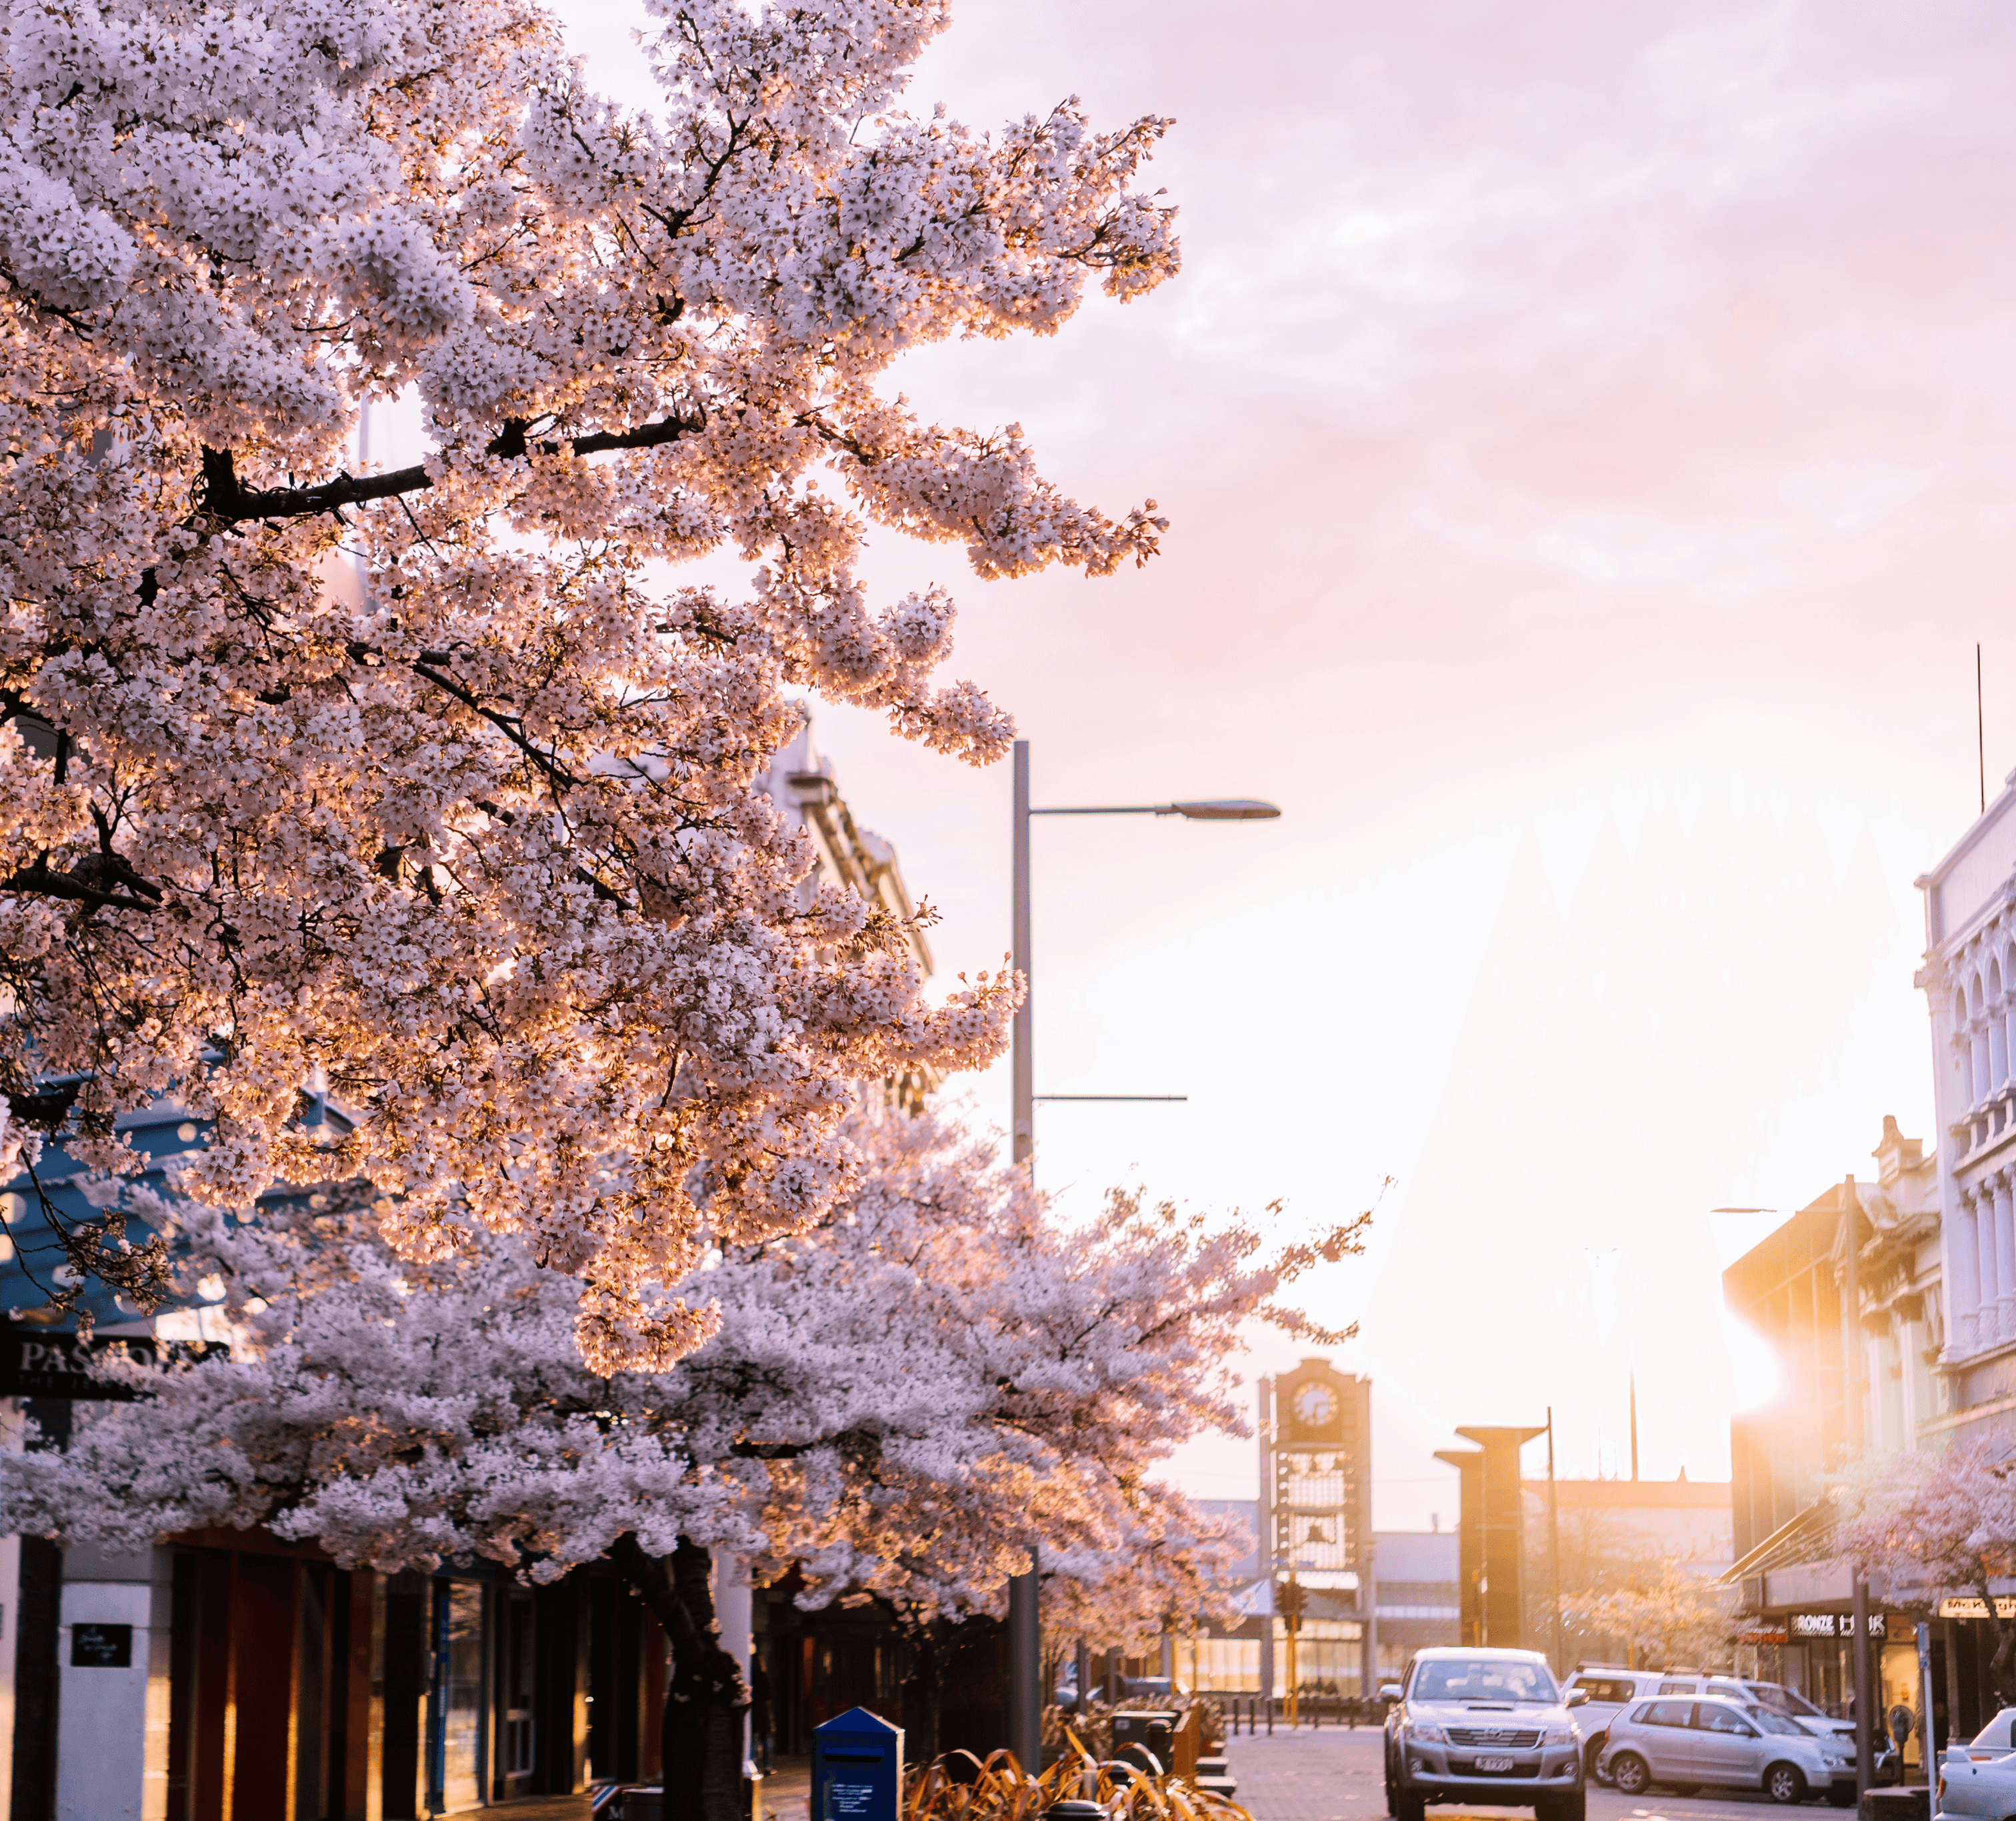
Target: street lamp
(1025, 1706)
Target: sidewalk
(1333, 1775)
(788, 1791)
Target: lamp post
(1025, 1704)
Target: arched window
(1983, 1080)
(1998, 1036)
(2006, 1016)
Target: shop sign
(58, 1366)
(1764, 1634)
(1965, 1606)
(1829, 1624)
(101, 1647)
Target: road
(1337, 1775)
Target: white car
(1996, 1740)
(1686, 1744)
(1610, 1691)
(1977, 1787)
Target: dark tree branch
(228, 499)
(103, 870)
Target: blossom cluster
(433, 789)
(902, 1401)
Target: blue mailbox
(856, 1769)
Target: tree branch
(228, 499)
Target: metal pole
(1369, 1675)
(1294, 1625)
(1928, 1739)
(1270, 1543)
(1024, 1135)
(1025, 1655)
(1554, 1542)
(1865, 1756)
(1025, 1672)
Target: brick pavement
(1330, 1775)
(1337, 1775)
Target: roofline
(1936, 874)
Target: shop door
(515, 1760)
(454, 1703)
(1900, 1689)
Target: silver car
(1475, 1724)
(1685, 1744)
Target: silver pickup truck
(1475, 1725)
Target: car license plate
(1492, 1764)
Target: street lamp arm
(1217, 810)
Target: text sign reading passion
(58, 1366)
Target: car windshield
(1784, 1701)
(1483, 1678)
(1773, 1722)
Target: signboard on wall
(58, 1366)
(1802, 1625)
(1963, 1607)
(96, 1646)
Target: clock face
(1316, 1406)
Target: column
(2005, 1253)
(734, 1608)
(112, 1668)
(1964, 1288)
(1989, 1328)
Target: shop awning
(1807, 1537)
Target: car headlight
(1426, 1734)
(1559, 1736)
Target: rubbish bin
(1154, 1730)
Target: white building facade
(1969, 979)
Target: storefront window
(455, 1706)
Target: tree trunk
(2005, 1648)
(923, 1689)
(701, 1740)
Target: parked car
(1732, 1744)
(1152, 1690)
(1477, 1726)
(1996, 1740)
(1608, 1692)
(1983, 1787)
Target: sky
(1588, 433)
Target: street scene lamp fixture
(1216, 809)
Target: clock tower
(1321, 1475)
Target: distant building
(1848, 1294)
(1969, 979)
(1418, 1599)
(1614, 1536)
(1414, 1579)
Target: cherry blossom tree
(1927, 1524)
(1664, 1613)
(432, 788)
(901, 1403)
